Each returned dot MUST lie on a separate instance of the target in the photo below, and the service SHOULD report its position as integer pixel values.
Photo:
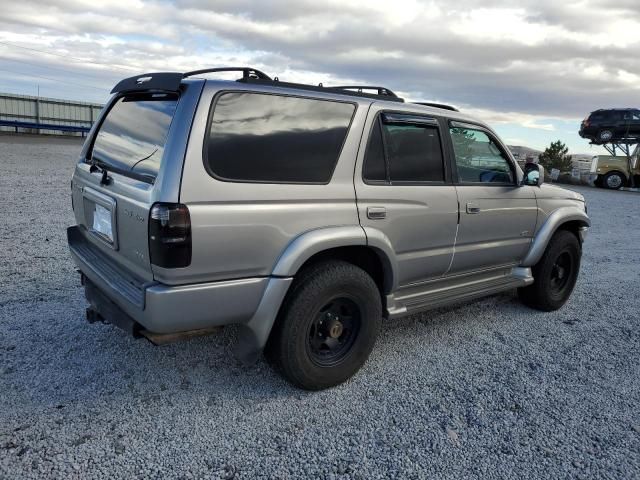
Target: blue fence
(45, 126)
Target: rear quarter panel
(240, 230)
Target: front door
(404, 192)
(497, 216)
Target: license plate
(102, 222)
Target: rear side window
(399, 152)
(256, 137)
(132, 137)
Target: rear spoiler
(160, 81)
(170, 81)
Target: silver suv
(305, 214)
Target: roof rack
(359, 88)
(438, 105)
(170, 82)
(388, 95)
(247, 72)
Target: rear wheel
(605, 135)
(555, 274)
(613, 180)
(327, 326)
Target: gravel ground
(488, 389)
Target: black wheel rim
(333, 331)
(561, 272)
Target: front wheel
(555, 274)
(327, 326)
(613, 180)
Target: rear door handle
(473, 207)
(376, 213)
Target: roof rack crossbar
(383, 91)
(438, 105)
(247, 72)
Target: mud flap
(253, 335)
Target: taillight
(170, 235)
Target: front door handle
(376, 213)
(473, 207)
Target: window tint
(478, 158)
(133, 134)
(631, 115)
(413, 153)
(375, 168)
(614, 115)
(272, 138)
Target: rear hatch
(132, 159)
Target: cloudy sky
(532, 68)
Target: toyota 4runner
(305, 214)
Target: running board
(437, 293)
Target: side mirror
(533, 175)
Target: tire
(614, 180)
(341, 304)
(555, 274)
(605, 135)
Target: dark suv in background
(603, 126)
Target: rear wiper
(98, 166)
(105, 168)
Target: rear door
(497, 216)
(404, 191)
(125, 167)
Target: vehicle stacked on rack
(618, 131)
(304, 214)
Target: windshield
(133, 134)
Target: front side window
(255, 137)
(478, 157)
(399, 152)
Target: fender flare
(253, 335)
(559, 217)
(309, 243)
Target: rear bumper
(161, 308)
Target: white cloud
(529, 64)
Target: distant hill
(522, 153)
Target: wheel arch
(352, 244)
(565, 218)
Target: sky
(532, 68)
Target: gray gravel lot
(488, 389)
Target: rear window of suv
(256, 137)
(132, 136)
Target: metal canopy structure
(629, 148)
